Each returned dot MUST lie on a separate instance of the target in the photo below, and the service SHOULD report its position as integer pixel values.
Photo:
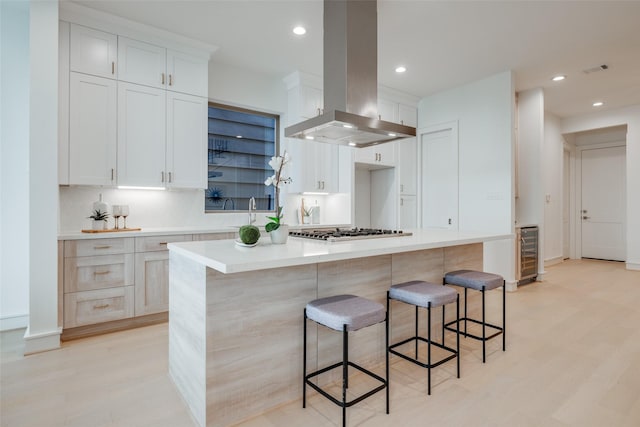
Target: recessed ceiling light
(559, 78)
(238, 136)
(308, 137)
(347, 126)
(352, 144)
(598, 104)
(392, 135)
(299, 30)
(401, 69)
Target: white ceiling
(443, 44)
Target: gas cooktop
(344, 234)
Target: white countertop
(228, 257)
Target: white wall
(14, 167)
(552, 168)
(485, 114)
(629, 116)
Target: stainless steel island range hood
(350, 114)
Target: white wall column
(43, 332)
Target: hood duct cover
(350, 81)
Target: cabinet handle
(101, 272)
(112, 171)
(162, 78)
(318, 111)
(170, 80)
(102, 247)
(402, 122)
(170, 179)
(401, 188)
(401, 201)
(379, 117)
(163, 243)
(97, 307)
(162, 173)
(113, 67)
(322, 184)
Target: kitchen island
(235, 313)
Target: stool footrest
(416, 361)
(355, 400)
(448, 327)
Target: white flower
(276, 162)
(270, 180)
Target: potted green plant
(99, 219)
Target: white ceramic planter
(280, 235)
(99, 224)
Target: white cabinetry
(407, 115)
(315, 165)
(407, 166)
(141, 135)
(186, 161)
(92, 130)
(93, 52)
(407, 212)
(141, 63)
(151, 65)
(187, 74)
(383, 155)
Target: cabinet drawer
(89, 247)
(98, 272)
(85, 308)
(159, 243)
(215, 236)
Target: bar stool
(344, 313)
(426, 295)
(479, 281)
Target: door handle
(586, 217)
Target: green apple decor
(249, 234)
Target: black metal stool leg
(443, 323)
(484, 323)
(428, 348)
(458, 332)
(345, 373)
(504, 316)
(465, 312)
(416, 335)
(304, 362)
(386, 325)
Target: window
(241, 143)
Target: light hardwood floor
(572, 359)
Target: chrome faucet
(252, 208)
(224, 204)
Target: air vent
(602, 67)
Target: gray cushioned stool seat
(474, 279)
(422, 293)
(353, 311)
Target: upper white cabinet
(142, 63)
(387, 110)
(186, 164)
(407, 166)
(93, 52)
(131, 113)
(151, 65)
(397, 112)
(92, 130)
(382, 155)
(141, 135)
(407, 115)
(315, 166)
(187, 74)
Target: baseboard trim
(114, 326)
(633, 265)
(511, 286)
(37, 343)
(553, 261)
(9, 323)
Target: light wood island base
(235, 340)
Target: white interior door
(603, 203)
(439, 179)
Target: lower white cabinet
(407, 212)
